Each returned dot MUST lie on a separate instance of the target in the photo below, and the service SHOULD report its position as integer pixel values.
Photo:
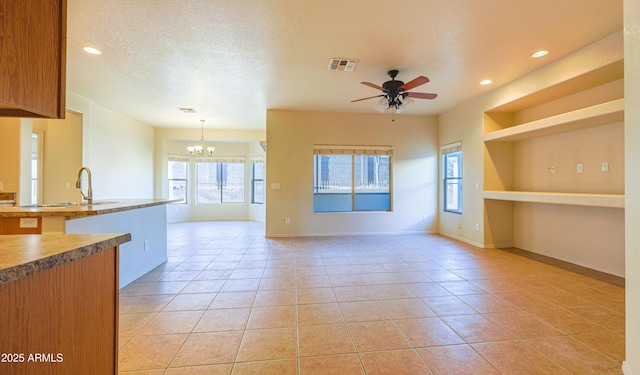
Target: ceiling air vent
(187, 110)
(343, 65)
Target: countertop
(100, 207)
(23, 255)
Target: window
(351, 178)
(257, 181)
(220, 181)
(452, 177)
(178, 172)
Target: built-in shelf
(600, 114)
(576, 199)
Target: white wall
(632, 183)
(244, 143)
(291, 136)
(118, 150)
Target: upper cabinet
(32, 58)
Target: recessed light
(92, 50)
(539, 53)
(486, 82)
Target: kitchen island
(144, 219)
(59, 299)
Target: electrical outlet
(605, 166)
(552, 169)
(287, 220)
(477, 227)
(28, 222)
(580, 168)
(146, 245)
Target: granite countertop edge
(75, 212)
(46, 262)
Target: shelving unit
(576, 199)
(599, 114)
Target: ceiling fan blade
(414, 83)
(420, 95)
(371, 97)
(373, 85)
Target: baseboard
(461, 239)
(626, 370)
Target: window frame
(255, 180)
(352, 152)
(179, 159)
(220, 172)
(453, 150)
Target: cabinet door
(32, 58)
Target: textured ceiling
(232, 60)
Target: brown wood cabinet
(63, 320)
(33, 58)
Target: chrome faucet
(89, 196)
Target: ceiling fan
(396, 96)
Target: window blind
(352, 150)
(451, 147)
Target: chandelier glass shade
(397, 104)
(201, 149)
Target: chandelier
(202, 149)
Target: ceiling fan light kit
(395, 95)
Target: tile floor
(230, 301)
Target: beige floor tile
(315, 295)
(394, 362)
(347, 364)
(487, 303)
(277, 367)
(522, 324)
(322, 313)
(391, 291)
(231, 300)
(456, 360)
(203, 286)
(272, 317)
(224, 369)
(223, 320)
(573, 355)
(208, 348)
(142, 372)
(407, 308)
(266, 344)
(306, 305)
(428, 332)
(241, 285)
(428, 289)
(448, 305)
(378, 335)
(567, 322)
(354, 293)
(149, 352)
(516, 357)
(324, 340)
(318, 281)
(363, 311)
(277, 283)
(130, 324)
(275, 297)
(610, 344)
(172, 322)
(477, 328)
(195, 301)
(141, 304)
